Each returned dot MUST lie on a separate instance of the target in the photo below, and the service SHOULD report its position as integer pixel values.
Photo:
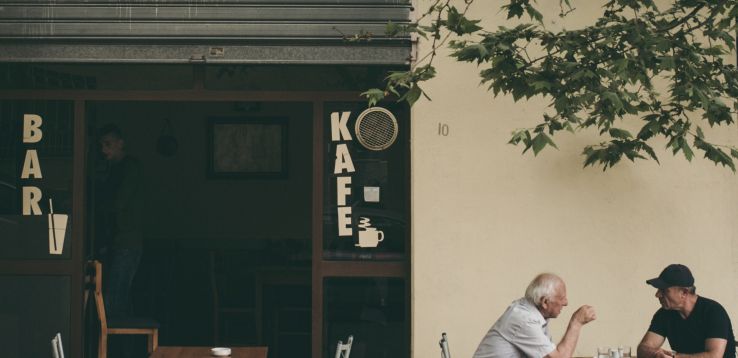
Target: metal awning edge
(204, 53)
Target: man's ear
(544, 302)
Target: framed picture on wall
(241, 147)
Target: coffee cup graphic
(371, 237)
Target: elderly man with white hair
(522, 331)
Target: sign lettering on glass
(343, 167)
(340, 132)
(31, 166)
(32, 195)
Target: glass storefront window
(34, 308)
(373, 310)
(36, 167)
(366, 198)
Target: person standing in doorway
(123, 214)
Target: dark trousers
(119, 268)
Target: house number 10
(442, 129)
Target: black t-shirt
(707, 320)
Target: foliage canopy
(598, 74)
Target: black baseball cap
(673, 275)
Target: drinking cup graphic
(371, 237)
(57, 230)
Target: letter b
(32, 128)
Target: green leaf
(715, 51)
(687, 150)
(620, 133)
(666, 62)
(518, 136)
(412, 95)
(549, 141)
(534, 14)
(613, 98)
(650, 152)
(700, 134)
(459, 24)
(514, 10)
(591, 155)
(714, 154)
(373, 95)
(539, 85)
(539, 142)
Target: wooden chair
(343, 350)
(226, 272)
(126, 325)
(445, 353)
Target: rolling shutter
(213, 31)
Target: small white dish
(220, 352)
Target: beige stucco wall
(486, 219)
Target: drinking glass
(624, 351)
(603, 352)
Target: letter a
(338, 126)
(31, 197)
(32, 128)
(343, 160)
(31, 166)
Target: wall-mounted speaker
(376, 128)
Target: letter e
(344, 221)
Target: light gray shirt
(520, 332)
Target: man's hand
(584, 315)
(662, 353)
(565, 348)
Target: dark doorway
(227, 221)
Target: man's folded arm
(714, 348)
(650, 346)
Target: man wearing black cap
(695, 326)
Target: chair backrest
(343, 350)
(445, 353)
(96, 268)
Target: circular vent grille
(376, 128)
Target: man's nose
(658, 293)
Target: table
(204, 352)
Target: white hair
(543, 286)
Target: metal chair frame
(343, 350)
(445, 353)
